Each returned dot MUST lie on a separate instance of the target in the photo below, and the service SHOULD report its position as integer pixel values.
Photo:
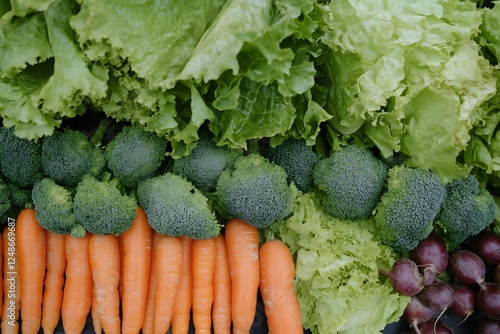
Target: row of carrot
(144, 281)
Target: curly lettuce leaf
(430, 59)
(337, 263)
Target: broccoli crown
(205, 163)
(67, 156)
(19, 197)
(5, 204)
(467, 210)
(255, 191)
(20, 159)
(101, 208)
(135, 154)
(351, 182)
(53, 206)
(404, 216)
(175, 207)
(298, 159)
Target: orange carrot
(104, 252)
(221, 312)
(11, 281)
(168, 275)
(136, 246)
(96, 319)
(54, 281)
(183, 302)
(77, 296)
(148, 324)
(277, 274)
(1, 274)
(32, 248)
(242, 242)
(204, 253)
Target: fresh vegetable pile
(348, 131)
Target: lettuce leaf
(429, 68)
(337, 263)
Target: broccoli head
(175, 207)
(256, 191)
(68, 155)
(20, 159)
(101, 208)
(406, 211)
(135, 154)
(5, 204)
(467, 210)
(351, 182)
(298, 159)
(53, 206)
(203, 165)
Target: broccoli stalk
(467, 210)
(406, 211)
(255, 191)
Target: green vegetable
(406, 211)
(351, 182)
(337, 263)
(101, 208)
(5, 204)
(397, 67)
(53, 205)
(135, 154)
(255, 191)
(175, 207)
(298, 159)
(203, 165)
(20, 159)
(467, 210)
(67, 156)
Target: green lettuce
(337, 263)
(410, 76)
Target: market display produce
(172, 164)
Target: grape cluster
(440, 280)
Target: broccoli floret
(406, 211)
(467, 210)
(175, 207)
(298, 159)
(53, 205)
(20, 159)
(135, 154)
(5, 204)
(68, 155)
(101, 208)
(256, 191)
(19, 197)
(205, 163)
(351, 182)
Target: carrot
(11, 280)
(148, 324)
(32, 247)
(242, 242)
(204, 253)
(54, 281)
(277, 274)
(136, 246)
(221, 313)
(1, 274)
(77, 296)
(104, 252)
(183, 302)
(96, 319)
(168, 275)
